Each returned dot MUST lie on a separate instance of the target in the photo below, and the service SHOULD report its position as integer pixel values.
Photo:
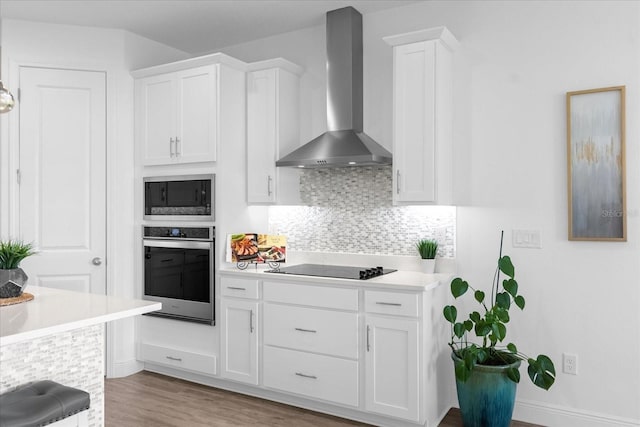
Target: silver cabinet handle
(172, 152)
(178, 150)
(176, 359)
(96, 261)
(305, 330)
(368, 343)
(300, 374)
(251, 321)
(236, 288)
(397, 181)
(395, 304)
(269, 179)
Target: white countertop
(54, 310)
(398, 280)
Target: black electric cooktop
(335, 271)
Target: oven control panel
(179, 233)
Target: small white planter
(428, 266)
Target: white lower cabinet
(352, 350)
(309, 329)
(392, 365)
(322, 377)
(181, 359)
(239, 336)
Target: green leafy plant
(491, 328)
(12, 252)
(427, 248)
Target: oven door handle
(186, 244)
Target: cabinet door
(392, 367)
(196, 114)
(414, 148)
(261, 136)
(239, 340)
(156, 125)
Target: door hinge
(18, 176)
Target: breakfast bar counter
(59, 336)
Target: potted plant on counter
(487, 373)
(13, 279)
(427, 248)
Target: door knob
(96, 261)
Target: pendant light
(6, 99)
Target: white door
(392, 367)
(239, 340)
(62, 177)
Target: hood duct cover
(344, 144)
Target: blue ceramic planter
(486, 399)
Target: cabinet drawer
(178, 359)
(394, 303)
(321, 331)
(316, 296)
(322, 377)
(238, 287)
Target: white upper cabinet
(272, 130)
(178, 116)
(422, 116)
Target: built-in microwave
(179, 198)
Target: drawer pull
(395, 304)
(175, 359)
(300, 374)
(251, 321)
(305, 330)
(236, 288)
(368, 344)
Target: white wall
(116, 52)
(517, 60)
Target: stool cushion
(40, 403)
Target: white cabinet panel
(239, 340)
(272, 131)
(197, 113)
(177, 116)
(392, 367)
(239, 288)
(177, 358)
(322, 377)
(319, 331)
(394, 303)
(422, 118)
(315, 296)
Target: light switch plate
(526, 239)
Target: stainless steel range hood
(344, 144)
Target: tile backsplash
(350, 210)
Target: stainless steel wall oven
(179, 271)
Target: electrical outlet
(570, 364)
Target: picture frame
(596, 164)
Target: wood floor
(147, 399)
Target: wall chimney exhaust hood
(345, 143)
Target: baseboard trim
(124, 369)
(552, 415)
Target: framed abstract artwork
(596, 164)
